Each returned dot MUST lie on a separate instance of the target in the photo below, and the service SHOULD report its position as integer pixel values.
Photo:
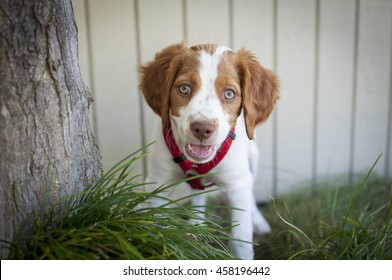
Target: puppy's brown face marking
(186, 83)
(227, 86)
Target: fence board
(373, 84)
(208, 22)
(335, 87)
(295, 65)
(388, 166)
(114, 63)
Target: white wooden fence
(333, 58)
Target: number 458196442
(225, 270)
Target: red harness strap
(187, 166)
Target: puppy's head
(201, 90)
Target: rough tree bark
(46, 144)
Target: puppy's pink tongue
(199, 152)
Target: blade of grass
(293, 226)
(355, 196)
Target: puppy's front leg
(241, 197)
(199, 201)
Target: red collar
(188, 166)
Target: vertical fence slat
(296, 54)
(113, 53)
(372, 101)
(388, 166)
(295, 63)
(335, 87)
(208, 22)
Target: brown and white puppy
(201, 93)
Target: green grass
(334, 222)
(106, 221)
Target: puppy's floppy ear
(157, 78)
(260, 90)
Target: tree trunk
(47, 149)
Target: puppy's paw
(260, 224)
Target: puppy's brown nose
(202, 130)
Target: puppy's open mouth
(199, 152)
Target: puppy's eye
(185, 89)
(229, 94)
